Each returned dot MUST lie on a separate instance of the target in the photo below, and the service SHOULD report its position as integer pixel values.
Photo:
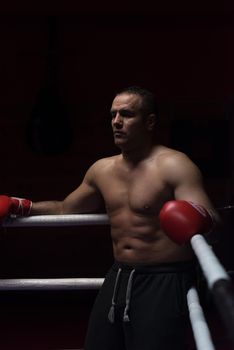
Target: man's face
(128, 123)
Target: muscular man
(155, 201)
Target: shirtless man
(147, 187)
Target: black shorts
(142, 308)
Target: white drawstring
(111, 314)
(128, 297)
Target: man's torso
(133, 197)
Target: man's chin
(119, 142)
(123, 145)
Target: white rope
(200, 328)
(56, 220)
(211, 267)
(51, 284)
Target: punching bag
(49, 130)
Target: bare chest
(142, 191)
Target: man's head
(133, 112)
(148, 100)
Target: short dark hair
(149, 103)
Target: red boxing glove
(13, 205)
(181, 220)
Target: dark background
(60, 68)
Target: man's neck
(134, 156)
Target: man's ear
(151, 121)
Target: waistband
(178, 266)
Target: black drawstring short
(142, 307)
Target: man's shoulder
(99, 170)
(176, 164)
(165, 154)
(103, 164)
(171, 159)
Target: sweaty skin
(133, 186)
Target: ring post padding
(209, 263)
(199, 325)
(223, 294)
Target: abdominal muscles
(138, 239)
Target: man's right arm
(85, 199)
(47, 208)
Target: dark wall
(185, 58)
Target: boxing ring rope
(198, 322)
(56, 220)
(50, 284)
(217, 278)
(219, 282)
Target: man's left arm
(191, 211)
